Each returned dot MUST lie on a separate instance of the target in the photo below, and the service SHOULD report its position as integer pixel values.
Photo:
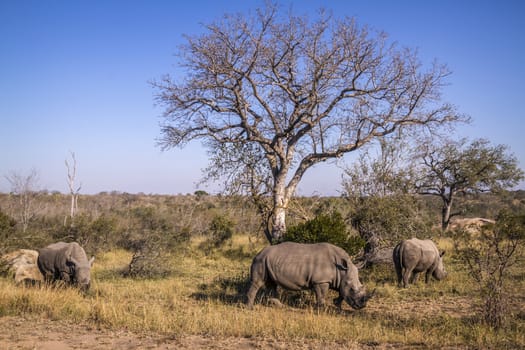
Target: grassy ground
(204, 295)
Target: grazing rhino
(66, 262)
(296, 266)
(413, 256)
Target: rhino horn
(91, 261)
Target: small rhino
(413, 256)
(66, 262)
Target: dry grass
(204, 297)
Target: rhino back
(422, 253)
(54, 258)
(298, 266)
(46, 262)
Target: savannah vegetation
(271, 96)
(179, 265)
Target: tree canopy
(298, 91)
(452, 167)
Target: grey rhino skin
(296, 266)
(413, 256)
(66, 262)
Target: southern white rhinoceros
(67, 262)
(296, 266)
(413, 256)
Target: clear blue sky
(74, 77)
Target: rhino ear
(442, 253)
(74, 261)
(343, 265)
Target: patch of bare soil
(18, 333)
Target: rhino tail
(399, 261)
(399, 256)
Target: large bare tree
(300, 91)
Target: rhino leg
(427, 275)
(273, 291)
(407, 276)
(399, 275)
(64, 276)
(414, 277)
(273, 294)
(252, 292)
(320, 293)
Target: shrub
(102, 231)
(152, 239)
(325, 228)
(390, 218)
(93, 235)
(145, 223)
(221, 232)
(200, 193)
(146, 217)
(383, 221)
(488, 257)
(150, 256)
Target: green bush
(325, 228)
(145, 223)
(94, 235)
(221, 229)
(148, 217)
(220, 232)
(390, 219)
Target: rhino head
(82, 273)
(439, 272)
(351, 290)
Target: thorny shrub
(488, 255)
(329, 228)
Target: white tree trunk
(73, 206)
(445, 213)
(281, 198)
(71, 175)
(278, 224)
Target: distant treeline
(111, 219)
